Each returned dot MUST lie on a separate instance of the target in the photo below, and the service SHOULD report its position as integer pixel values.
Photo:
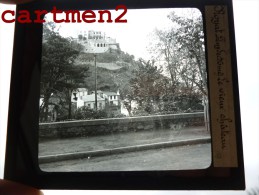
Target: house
(106, 100)
(78, 94)
(100, 93)
(113, 97)
(82, 98)
(89, 101)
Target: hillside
(114, 71)
(105, 65)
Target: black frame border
(21, 163)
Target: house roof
(91, 98)
(98, 91)
(109, 93)
(81, 89)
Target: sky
(247, 42)
(134, 36)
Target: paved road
(116, 140)
(175, 158)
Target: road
(175, 158)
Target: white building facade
(96, 42)
(81, 97)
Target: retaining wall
(84, 128)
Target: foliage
(147, 86)
(182, 49)
(59, 75)
(125, 57)
(127, 97)
(107, 57)
(190, 37)
(85, 112)
(188, 103)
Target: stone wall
(84, 128)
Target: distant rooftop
(91, 98)
(109, 93)
(81, 89)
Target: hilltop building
(96, 41)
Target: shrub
(85, 113)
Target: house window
(111, 102)
(114, 97)
(89, 105)
(111, 97)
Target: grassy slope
(111, 76)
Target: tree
(59, 75)
(190, 40)
(73, 79)
(183, 52)
(127, 97)
(147, 86)
(190, 37)
(166, 50)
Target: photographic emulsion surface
(135, 96)
(119, 97)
